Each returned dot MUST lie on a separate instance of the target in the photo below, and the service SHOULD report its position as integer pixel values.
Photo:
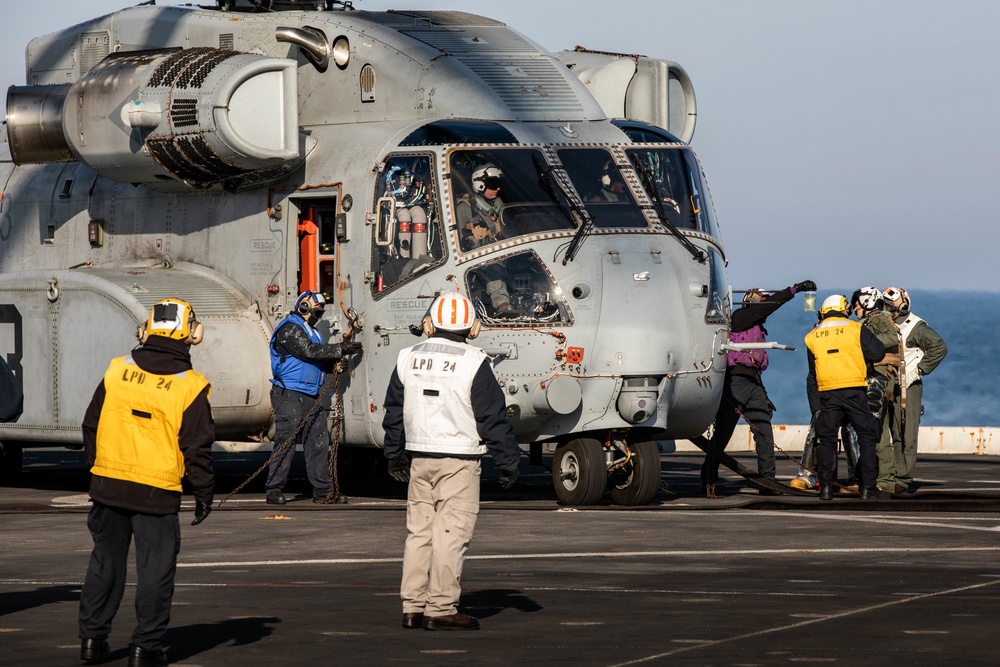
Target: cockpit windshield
(503, 194)
(601, 184)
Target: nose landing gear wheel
(579, 473)
(639, 483)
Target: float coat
(140, 422)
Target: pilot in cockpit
(612, 188)
(480, 217)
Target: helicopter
(238, 155)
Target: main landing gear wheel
(579, 473)
(639, 482)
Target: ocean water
(963, 391)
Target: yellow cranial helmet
(172, 318)
(835, 303)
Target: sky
(848, 142)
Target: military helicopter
(237, 155)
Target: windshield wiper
(651, 189)
(562, 199)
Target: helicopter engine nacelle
(200, 116)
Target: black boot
(140, 657)
(826, 491)
(875, 493)
(93, 651)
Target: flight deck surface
(742, 580)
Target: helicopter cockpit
(506, 196)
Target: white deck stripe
(605, 554)
(812, 621)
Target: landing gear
(582, 469)
(579, 472)
(11, 457)
(638, 479)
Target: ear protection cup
(197, 333)
(141, 333)
(474, 331)
(428, 326)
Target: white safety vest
(911, 355)
(437, 377)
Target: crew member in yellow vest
(840, 351)
(148, 426)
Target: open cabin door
(321, 226)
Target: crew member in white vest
(443, 411)
(922, 349)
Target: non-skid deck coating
(745, 580)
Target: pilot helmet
(869, 298)
(487, 176)
(399, 181)
(897, 300)
(606, 174)
(172, 318)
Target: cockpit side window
(406, 237)
(503, 194)
(717, 310)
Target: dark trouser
(290, 408)
(835, 406)
(157, 543)
(747, 395)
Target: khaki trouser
(441, 510)
(904, 435)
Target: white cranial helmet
(870, 298)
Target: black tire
(579, 473)
(639, 483)
(11, 458)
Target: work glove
(201, 511)
(399, 469)
(347, 349)
(805, 286)
(507, 479)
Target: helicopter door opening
(319, 229)
(406, 237)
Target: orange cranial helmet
(452, 312)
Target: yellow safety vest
(836, 346)
(137, 435)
